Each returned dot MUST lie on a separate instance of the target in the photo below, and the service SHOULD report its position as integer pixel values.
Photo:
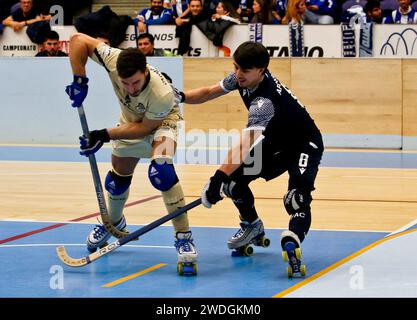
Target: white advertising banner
(319, 41)
(323, 41)
(395, 41)
(398, 41)
(16, 44)
(165, 39)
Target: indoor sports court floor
(362, 242)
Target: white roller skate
(291, 253)
(187, 254)
(99, 235)
(249, 233)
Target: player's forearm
(79, 53)
(233, 161)
(201, 95)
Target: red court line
(57, 225)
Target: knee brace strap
(296, 201)
(162, 175)
(115, 184)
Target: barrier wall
(324, 41)
(34, 108)
(355, 102)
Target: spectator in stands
(280, 9)
(373, 11)
(262, 12)
(295, 12)
(320, 11)
(24, 16)
(245, 10)
(210, 6)
(146, 43)
(215, 27)
(405, 14)
(51, 46)
(184, 24)
(156, 14)
(225, 11)
(180, 8)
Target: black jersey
(273, 108)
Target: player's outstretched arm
(203, 94)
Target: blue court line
(366, 159)
(32, 271)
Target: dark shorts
(302, 164)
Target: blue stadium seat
(349, 3)
(389, 5)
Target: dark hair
(146, 36)
(53, 35)
(251, 55)
(130, 61)
(371, 4)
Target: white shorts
(142, 148)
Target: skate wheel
(298, 254)
(285, 256)
(289, 272)
(180, 269)
(265, 242)
(247, 251)
(187, 269)
(303, 270)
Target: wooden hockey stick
(74, 262)
(105, 217)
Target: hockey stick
(105, 217)
(74, 262)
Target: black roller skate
(292, 254)
(249, 234)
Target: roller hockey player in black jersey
(280, 136)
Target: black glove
(212, 190)
(94, 142)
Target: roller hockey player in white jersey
(280, 136)
(147, 129)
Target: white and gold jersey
(155, 102)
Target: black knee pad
(296, 201)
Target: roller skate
(248, 234)
(187, 254)
(99, 235)
(291, 253)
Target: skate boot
(249, 233)
(187, 254)
(99, 235)
(291, 253)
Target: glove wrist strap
(80, 79)
(104, 135)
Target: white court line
(403, 228)
(75, 244)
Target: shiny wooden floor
(345, 198)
